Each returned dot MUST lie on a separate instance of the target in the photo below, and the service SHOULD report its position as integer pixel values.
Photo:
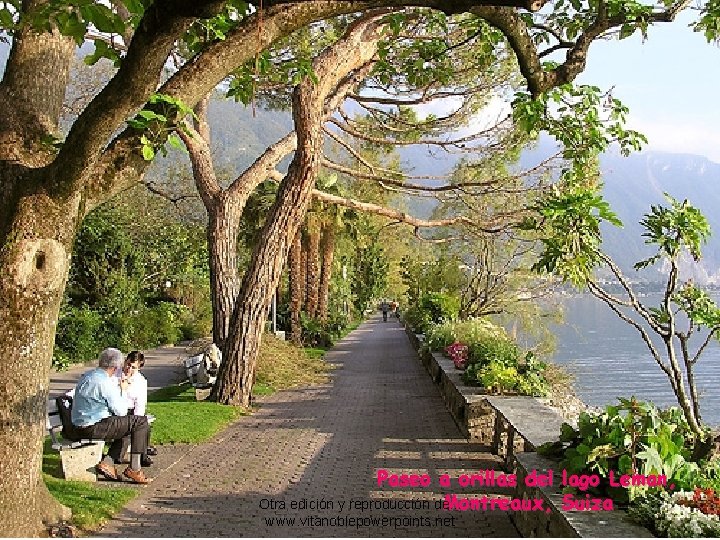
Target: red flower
(458, 353)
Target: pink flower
(458, 353)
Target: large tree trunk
(36, 235)
(45, 196)
(312, 282)
(34, 263)
(225, 208)
(237, 373)
(295, 289)
(222, 233)
(328, 256)
(302, 275)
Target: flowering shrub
(704, 500)
(466, 331)
(681, 514)
(458, 353)
(489, 357)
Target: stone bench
(202, 368)
(197, 376)
(535, 424)
(77, 458)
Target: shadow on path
(309, 457)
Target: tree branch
(174, 199)
(636, 305)
(131, 86)
(598, 292)
(510, 22)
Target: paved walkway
(162, 368)
(305, 463)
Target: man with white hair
(99, 411)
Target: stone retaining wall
(468, 405)
(480, 422)
(559, 522)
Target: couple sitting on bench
(109, 404)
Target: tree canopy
(170, 54)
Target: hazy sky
(671, 83)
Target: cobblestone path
(305, 463)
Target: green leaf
(626, 30)
(148, 153)
(625, 465)
(152, 116)
(6, 19)
(653, 463)
(176, 142)
(102, 50)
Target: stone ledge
(79, 463)
(563, 523)
(494, 420)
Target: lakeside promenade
(305, 462)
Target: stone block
(434, 369)
(559, 523)
(79, 463)
(201, 394)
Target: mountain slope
(632, 184)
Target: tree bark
(35, 258)
(225, 208)
(312, 282)
(222, 233)
(302, 276)
(36, 233)
(237, 373)
(295, 287)
(328, 255)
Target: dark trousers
(114, 428)
(126, 442)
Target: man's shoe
(146, 461)
(151, 451)
(138, 477)
(106, 471)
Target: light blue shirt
(97, 396)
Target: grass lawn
(182, 419)
(282, 366)
(91, 504)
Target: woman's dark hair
(136, 356)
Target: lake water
(609, 359)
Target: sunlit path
(306, 454)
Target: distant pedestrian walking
(384, 307)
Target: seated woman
(136, 397)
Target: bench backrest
(192, 366)
(54, 420)
(203, 368)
